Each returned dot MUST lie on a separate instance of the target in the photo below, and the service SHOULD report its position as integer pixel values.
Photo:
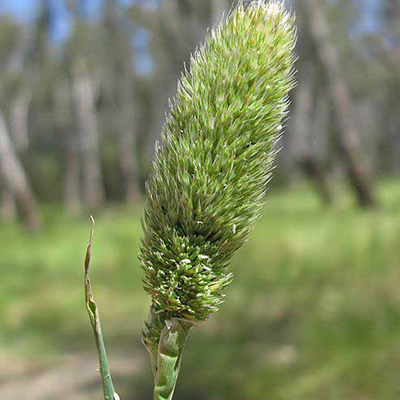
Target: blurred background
(314, 310)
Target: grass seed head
(214, 161)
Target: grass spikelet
(214, 161)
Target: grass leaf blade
(94, 316)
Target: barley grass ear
(210, 174)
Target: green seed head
(214, 161)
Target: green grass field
(313, 312)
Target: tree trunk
(15, 179)
(70, 141)
(84, 101)
(128, 154)
(72, 189)
(128, 139)
(349, 135)
(19, 119)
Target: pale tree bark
(72, 198)
(128, 146)
(129, 167)
(348, 132)
(302, 128)
(19, 119)
(89, 146)
(72, 187)
(15, 180)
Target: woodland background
(314, 311)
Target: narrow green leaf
(93, 312)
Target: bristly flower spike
(211, 170)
